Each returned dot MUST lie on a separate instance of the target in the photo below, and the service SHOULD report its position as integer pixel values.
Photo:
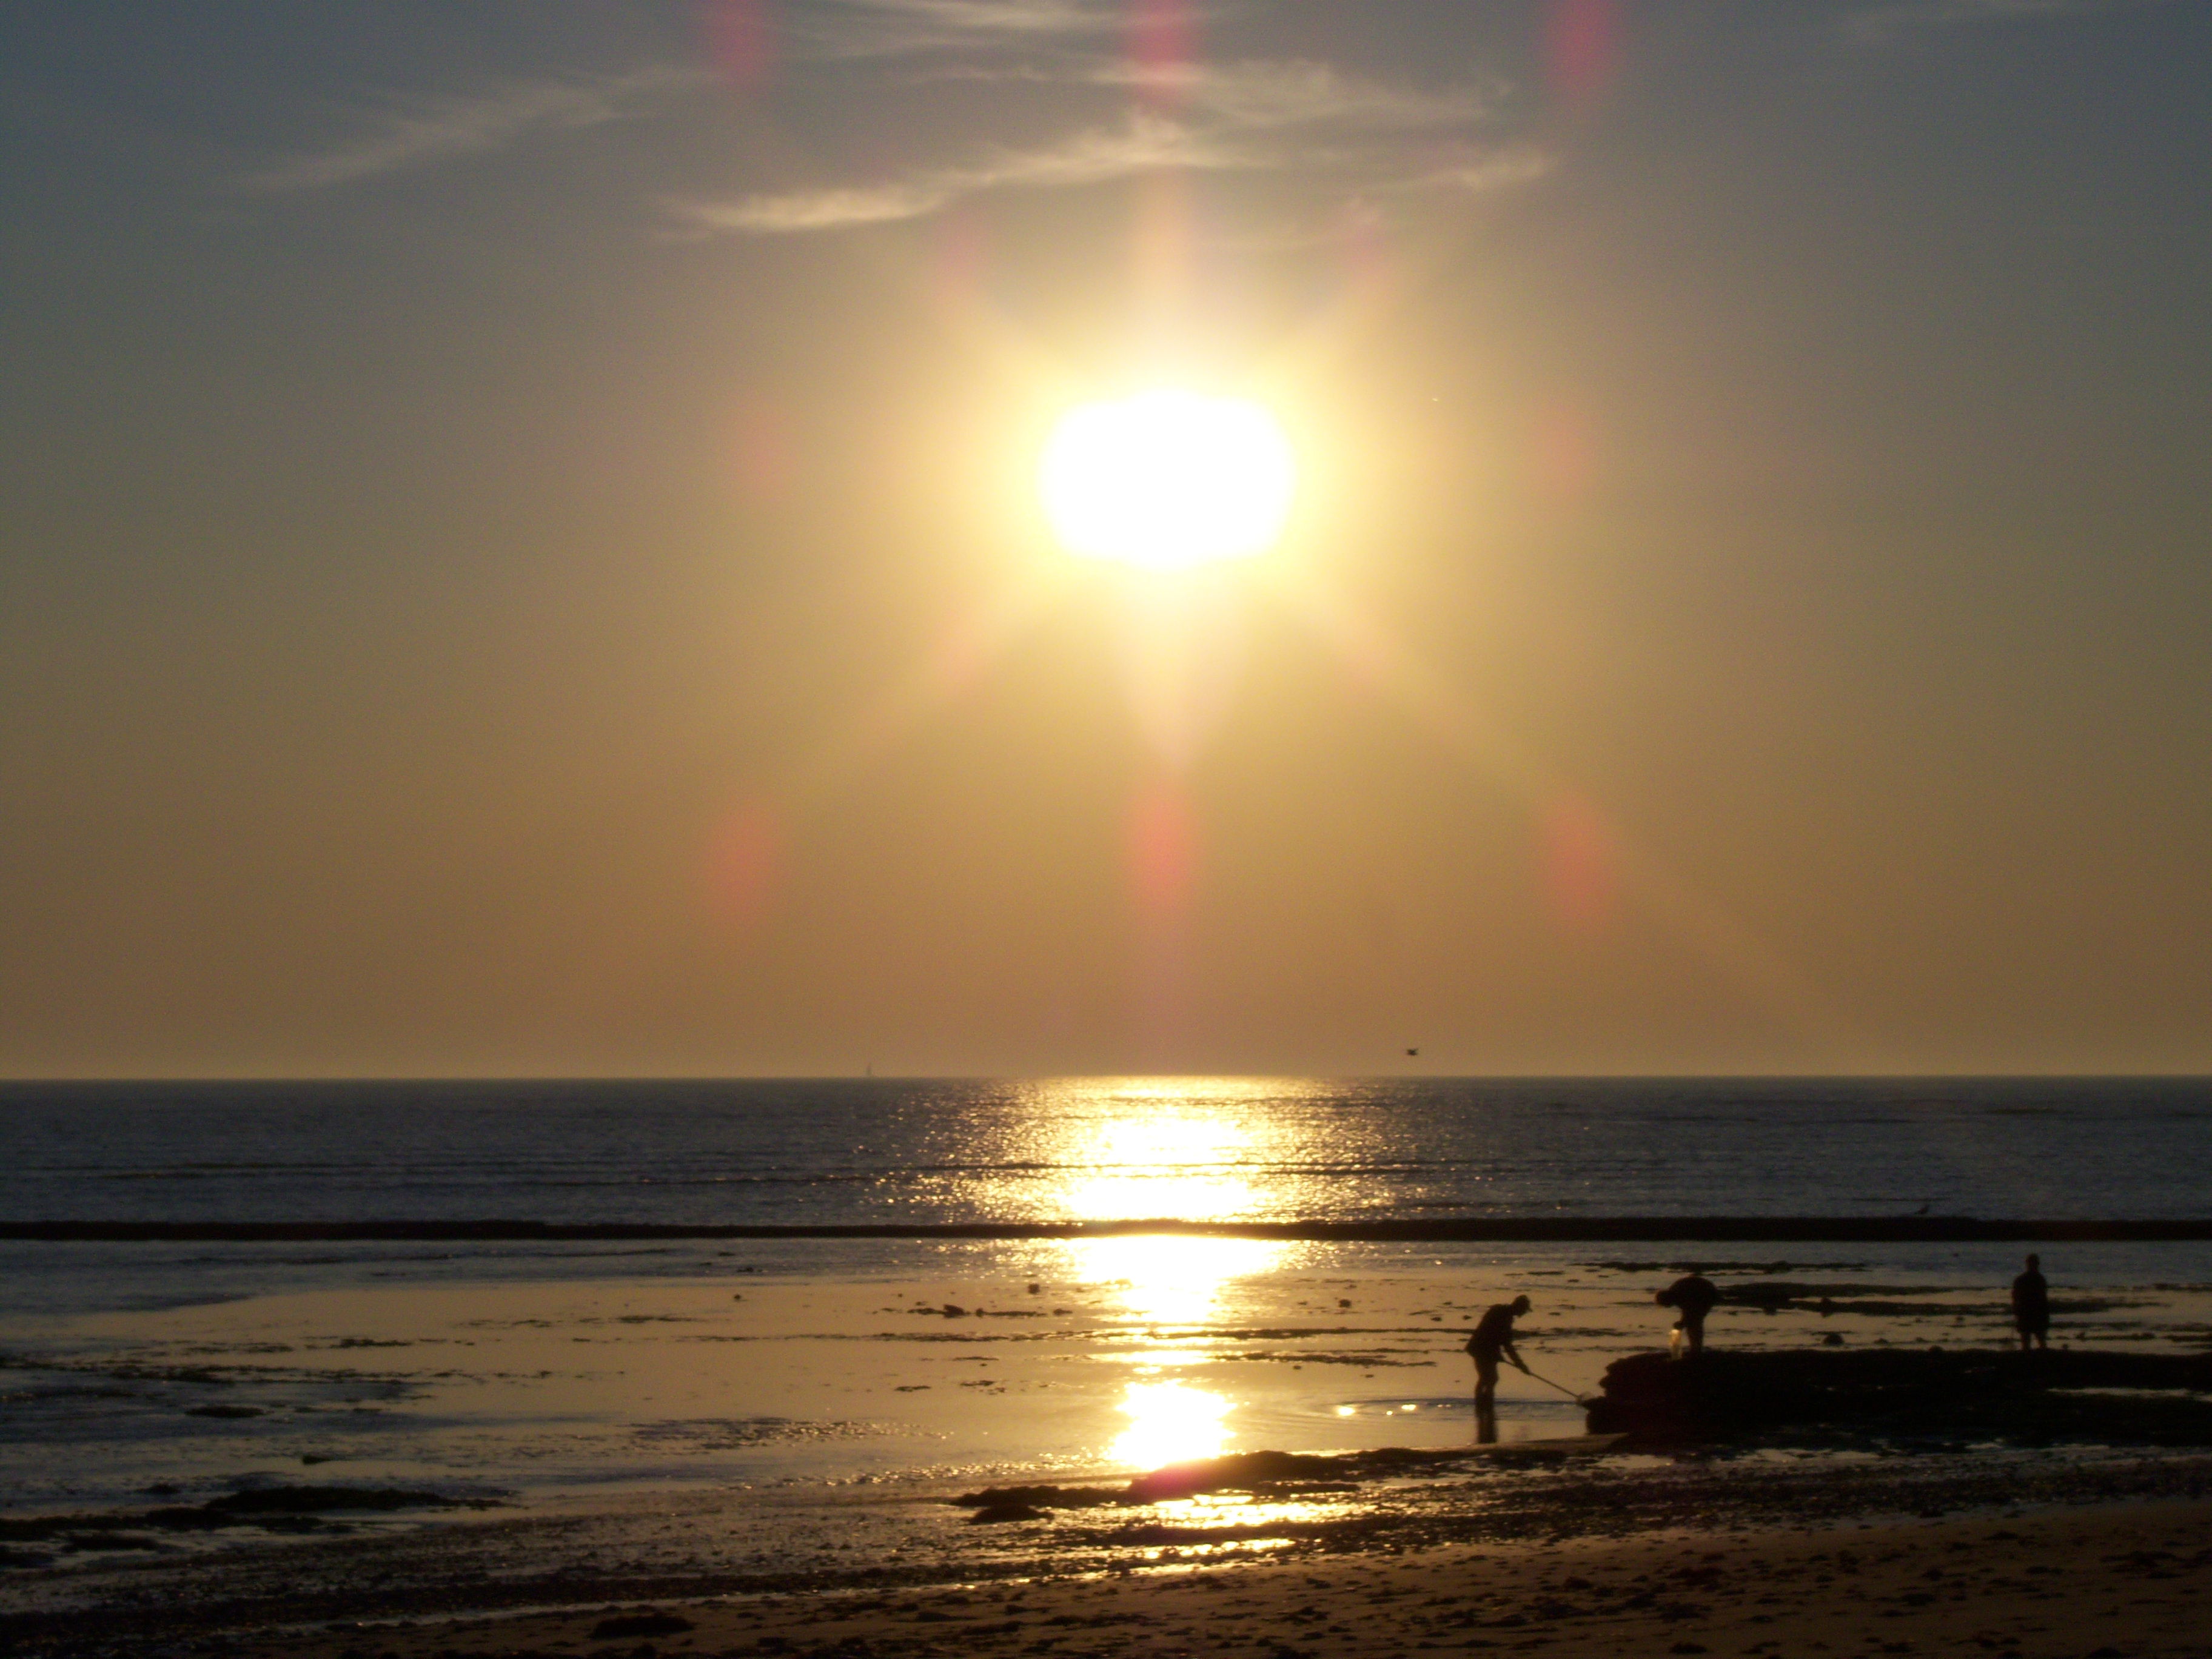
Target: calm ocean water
(1089, 1149)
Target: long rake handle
(1580, 1400)
(1561, 1386)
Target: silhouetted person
(1491, 1338)
(2031, 1306)
(1691, 1297)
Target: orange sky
(522, 554)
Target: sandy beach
(2120, 1579)
(2125, 1580)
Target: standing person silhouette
(1491, 1338)
(2031, 1306)
(1692, 1297)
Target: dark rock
(315, 1500)
(992, 1514)
(2005, 1394)
(1239, 1473)
(1048, 1497)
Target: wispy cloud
(1354, 134)
(1253, 94)
(1002, 17)
(1298, 91)
(420, 130)
(1483, 171)
(1145, 143)
(1254, 116)
(896, 28)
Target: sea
(533, 1366)
(860, 1152)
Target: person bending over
(1692, 1298)
(1493, 1339)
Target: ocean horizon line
(1745, 1229)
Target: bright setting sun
(1167, 479)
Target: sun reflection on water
(1146, 1149)
(1164, 1149)
(1158, 1165)
(1170, 1423)
(1164, 1278)
(1158, 1150)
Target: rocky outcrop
(2068, 1394)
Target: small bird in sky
(1411, 1053)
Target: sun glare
(1168, 1279)
(1170, 1423)
(1167, 479)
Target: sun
(1167, 479)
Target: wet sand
(1127, 1353)
(2057, 1554)
(2126, 1580)
(773, 1460)
(2131, 1581)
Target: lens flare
(1583, 41)
(1167, 479)
(739, 40)
(744, 859)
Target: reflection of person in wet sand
(1691, 1297)
(2031, 1306)
(1493, 1338)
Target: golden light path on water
(1168, 1149)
